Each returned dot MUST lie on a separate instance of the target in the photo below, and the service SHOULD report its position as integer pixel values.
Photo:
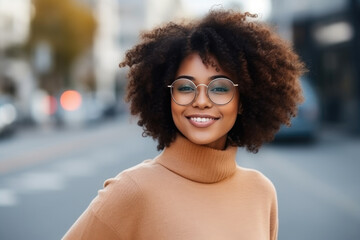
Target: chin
(210, 141)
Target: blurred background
(65, 129)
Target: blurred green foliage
(68, 27)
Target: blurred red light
(52, 105)
(70, 100)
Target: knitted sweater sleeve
(112, 214)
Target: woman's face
(202, 121)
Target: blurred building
(14, 22)
(329, 43)
(15, 71)
(106, 49)
(284, 12)
(158, 12)
(119, 25)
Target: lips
(202, 121)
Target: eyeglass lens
(220, 91)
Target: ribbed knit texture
(188, 192)
(198, 163)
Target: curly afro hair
(265, 67)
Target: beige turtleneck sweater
(188, 192)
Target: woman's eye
(185, 89)
(219, 90)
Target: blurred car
(77, 108)
(68, 108)
(8, 115)
(305, 125)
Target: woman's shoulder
(117, 205)
(256, 179)
(138, 173)
(125, 190)
(133, 177)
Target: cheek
(231, 111)
(176, 112)
(173, 109)
(231, 115)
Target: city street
(49, 176)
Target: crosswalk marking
(53, 178)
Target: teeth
(199, 119)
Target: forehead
(193, 65)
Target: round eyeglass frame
(207, 89)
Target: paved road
(48, 177)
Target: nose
(202, 100)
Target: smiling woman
(203, 120)
(201, 89)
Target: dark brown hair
(265, 67)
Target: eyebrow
(210, 78)
(219, 76)
(185, 76)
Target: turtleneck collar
(198, 163)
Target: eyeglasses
(220, 91)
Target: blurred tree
(67, 29)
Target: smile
(202, 121)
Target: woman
(201, 89)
